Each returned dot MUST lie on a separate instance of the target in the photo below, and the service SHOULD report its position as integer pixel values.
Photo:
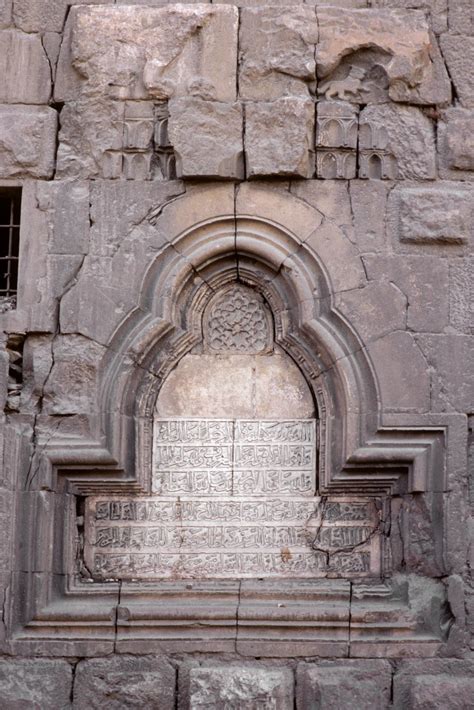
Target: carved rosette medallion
(237, 321)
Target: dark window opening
(10, 205)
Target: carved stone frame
(358, 454)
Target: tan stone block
(207, 138)
(277, 52)
(279, 138)
(34, 157)
(400, 45)
(134, 52)
(25, 75)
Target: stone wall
(259, 214)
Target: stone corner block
(240, 686)
(34, 157)
(25, 74)
(125, 681)
(279, 138)
(35, 683)
(341, 684)
(207, 138)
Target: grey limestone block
(437, 9)
(276, 48)
(25, 74)
(451, 360)
(434, 683)
(5, 13)
(206, 137)
(461, 16)
(118, 682)
(245, 687)
(34, 157)
(343, 684)
(35, 683)
(458, 53)
(44, 15)
(401, 133)
(440, 214)
(279, 137)
(456, 144)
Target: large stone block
(25, 74)
(343, 684)
(456, 144)
(66, 207)
(5, 13)
(461, 296)
(397, 142)
(434, 683)
(279, 137)
(458, 52)
(437, 9)
(461, 16)
(451, 360)
(207, 138)
(33, 157)
(133, 52)
(432, 215)
(277, 52)
(245, 687)
(125, 682)
(35, 683)
(379, 53)
(44, 15)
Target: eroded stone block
(456, 144)
(44, 15)
(458, 52)
(279, 137)
(244, 687)
(134, 52)
(277, 52)
(389, 54)
(206, 137)
(434, 683)
(5, 13)
(35, 683)
(344, 684)
(461, 16)
(25, 75)
(434, 215)
(438, 9)
(396, 142)
(32, 157)
(125, 682)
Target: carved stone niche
(236, 495)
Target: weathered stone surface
(246, 386)
(22, 56)
(240, 686)
(451, 359)
(369, 203)
(5, 13)
(133, 52)
(434, 683)
(456, 144)
(432, 215)
(400, 132)
(401, 372)
(375, 310)
(66, 206)
(33, 157)
(277, 52)
(401, 48)
(461, 295)
(458, 53)
(279, 137)
(343, 684)
(46, 16)
(461, 17)
(35, 683)
(125, 682)
(207, 138)
(437, 9)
